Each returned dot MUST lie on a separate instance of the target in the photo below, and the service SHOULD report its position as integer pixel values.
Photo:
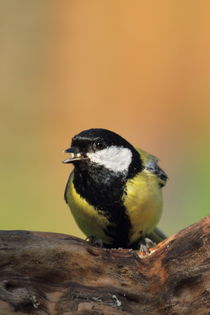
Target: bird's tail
(157, 236)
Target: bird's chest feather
(143, 202)
(98, 204)
(101, 188)
(116, 211)
(90, 221)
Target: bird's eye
(98, 145)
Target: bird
(115, 189)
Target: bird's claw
(95, 241)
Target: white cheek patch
(116, 159)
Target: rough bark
(47, 273)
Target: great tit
(114, 191)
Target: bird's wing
(150, 163)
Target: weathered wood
(47, 273)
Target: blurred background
(139, 68)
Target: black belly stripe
(104, 190)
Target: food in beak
(74, 157)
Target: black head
(103, 147)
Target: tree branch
(48, 273)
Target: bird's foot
(145, 246)
(93, 240)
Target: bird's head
(102, 147)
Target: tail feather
(157, 236)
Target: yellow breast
(90, 221)
(143, 201)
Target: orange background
(140, 68)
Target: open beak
(74, 155)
